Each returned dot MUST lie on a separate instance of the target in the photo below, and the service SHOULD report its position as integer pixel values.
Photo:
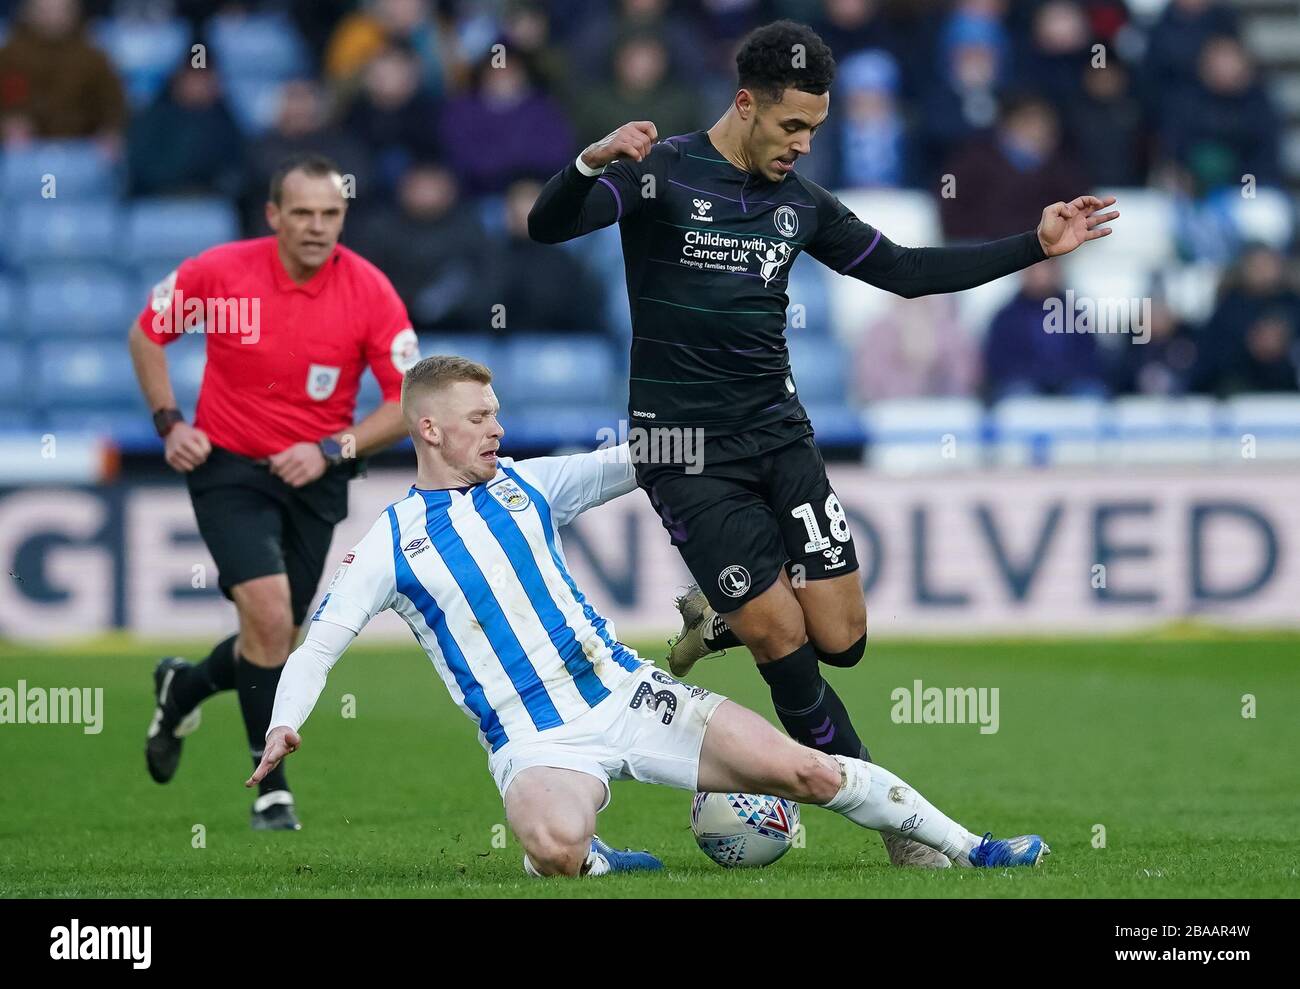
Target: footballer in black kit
(710, 224)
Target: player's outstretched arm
(571, 204)
(301, 682)
(851, 247)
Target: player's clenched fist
(281, 742)
(186, 447)
(632, 141)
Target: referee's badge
(321, 381)
(510, 494)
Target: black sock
(719, 636)
(256, 685)
(808, 707)
(214, 674)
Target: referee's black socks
(256, 686)
(214, 674)
(808, 706)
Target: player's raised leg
(552, 812)
(742, 752)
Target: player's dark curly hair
(784, 55)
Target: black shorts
(255, 525)
(737, 523)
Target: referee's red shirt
(284, 361)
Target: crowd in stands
(1016, 104)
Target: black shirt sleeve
(572, 204)
(847, 245)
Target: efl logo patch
(321, 381)
(511, 495)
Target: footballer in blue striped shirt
(471, 559)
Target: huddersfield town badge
(510, 494)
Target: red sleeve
(391, 346)
(164, 319)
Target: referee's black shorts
(255, 525)
(739, 522)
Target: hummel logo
(701, 205)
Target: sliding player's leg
(552, 812)
(742, 752)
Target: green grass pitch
(1143, 736)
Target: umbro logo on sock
(911, 823)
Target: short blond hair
(432, 374)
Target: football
(743, 829)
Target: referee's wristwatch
(332, 450)
(165, 419)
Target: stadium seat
(818, 367)
(77, 374)
(172, 229)
(1043, 430)
(369, 396)
(807, 288)
(1148, 215)
(13, 376)
(573, 371)
(264, 46)
(8, 309)
(79, 170)
(1157, 429)
(76, 300)
(476, 346)
(836, 424)
(549, 426)
(145, 52)
(1269, 217)
(905, 217)
(916, 435)
(52, 230)
(977, 306)
(127, 427)
(1261, 427)
(1192, 289)
(254, 102)
(186, 359)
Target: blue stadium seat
(13, 376)
(76, 374)
(172, 229)
(145, 52)
(476, 346)
(8, 309)
(818, 364)
(128, 427)
(254, 102)
(571, 371)
(265, 46)
(807, 288)
(52, 230)
(186, 359)
(80, 300)
(78, 168)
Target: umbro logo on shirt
(416, 546)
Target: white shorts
(650, 728)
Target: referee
(290, 323)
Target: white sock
(596, 865)
(875, 798)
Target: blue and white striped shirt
(479, 575)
